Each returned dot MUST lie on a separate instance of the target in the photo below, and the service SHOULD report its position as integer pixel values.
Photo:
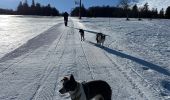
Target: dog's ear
(64, 79)
(72, 78)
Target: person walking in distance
(65, 18)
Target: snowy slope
(17, 30)
(134, 60)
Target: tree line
(7, 11)
(34, 9)
(96, 11)
(133, 12)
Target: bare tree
(125, 4)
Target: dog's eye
(62, 81)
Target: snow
(134, 60)
(17, 30)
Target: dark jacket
(66, 16)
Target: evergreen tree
(168, 13)
(38, 8)
(75, 11)
(33, 3)
(47, 10)
(161, 13)
(33, 8)
(154, 13)
(54, 12)
(25, 8)
(83, 11)
(145, 10)
(20, 8)
(135, 11)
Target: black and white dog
(100, 38)
(82, 34)
(93, 90)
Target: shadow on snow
(135, 59)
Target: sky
(61, 5)
(159, 4)
(67, 5)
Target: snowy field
(36, 53)
(16, 30)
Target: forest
(96, 11)
(133, 12)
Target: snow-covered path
(34, 70)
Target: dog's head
(69, 84)
(81, 30)
(103, 36)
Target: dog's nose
(60, 90)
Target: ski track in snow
(34, 70)
(129, 68)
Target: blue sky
(67, 5)
(61, 5)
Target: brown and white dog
(100, 38)
(96, 90)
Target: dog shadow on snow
(135, 59)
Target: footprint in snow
(147, 69)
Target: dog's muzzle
(62, 91)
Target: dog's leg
(83, 38)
